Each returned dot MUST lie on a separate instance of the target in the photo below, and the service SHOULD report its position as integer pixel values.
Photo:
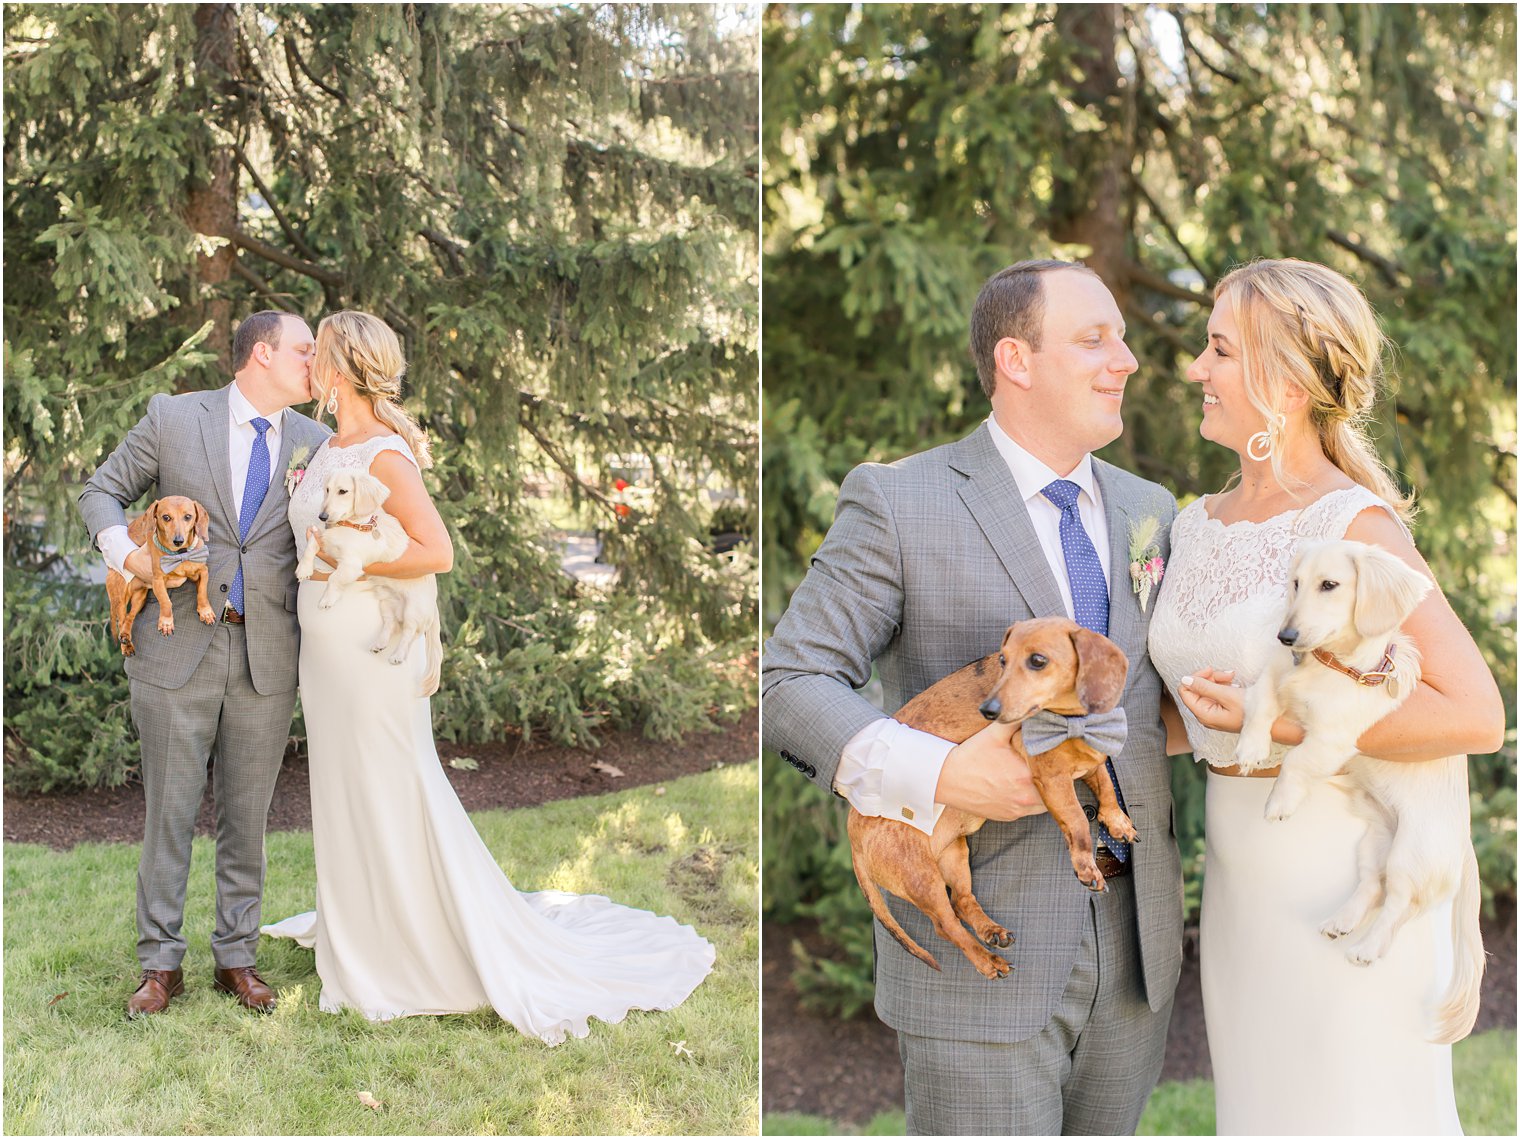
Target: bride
(414, 917)
(1301, 1041)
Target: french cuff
(114, 546)
(892, 770)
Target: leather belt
(231, 616)
(1108, 865)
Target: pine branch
(1192, 48)
(284, 260)
(290, 231)
(1388, 269)
(263, 287)
(1165, 331)
(1139, 275)
(1160, 215)
(293, 57)
(569, 468)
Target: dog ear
(1101, 669)
(202, 523)
(141, 527)
(370, 494)
(1387, 591)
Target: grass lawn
(1483, 1069)
(75, 1065)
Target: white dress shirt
(890, 769)
(113, 542)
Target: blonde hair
(365, 351)
(1305, 324)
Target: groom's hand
(987, 777)
(139, 565)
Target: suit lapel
(993, 499)
(218, 454)
(1126, 623)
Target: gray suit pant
(217, 712)
(1088, 1072)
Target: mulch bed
(510, 774)
(850, 1071)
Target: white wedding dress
(414, 916)
(1302, 1042)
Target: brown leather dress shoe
(158, 987)
(247, 986)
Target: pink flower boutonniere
(1145, 565)
(297, 469)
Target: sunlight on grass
(1483, 1069)
(73, 1065)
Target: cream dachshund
(1344, 665)
(359, 532)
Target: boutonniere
(1145, 564)
(297, 469)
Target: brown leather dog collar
(362, 527)
(1367, 679)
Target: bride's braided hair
(1305, 324)
(365, 351)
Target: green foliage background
(913, 150)
(556, 209)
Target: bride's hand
(1210, 696)
(314, 536)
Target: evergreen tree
(913, 150)
(555, 207)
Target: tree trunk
(1088, 209)
(211, 203)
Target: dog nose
(322, 517)
(992, 707)
(1288, 637)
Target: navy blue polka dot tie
(1089, 599)
(253, 498)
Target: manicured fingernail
(1186, 680)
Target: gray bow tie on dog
(172, 559)
(1104, 732)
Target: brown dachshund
(1049, 663)
(170, 526)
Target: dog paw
(399, 659)
(1335, 928)
(1283, 802)
(328, 601)
(1091, 877)
(128, 649)
(166, 626)
(996, 935)
(380, 648)
(207, 617)
(1250, 755)
(1361, 956)
(1120, 827)
(994, 968)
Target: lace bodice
(1224, 594)
(306, 501)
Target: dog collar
(163, 549)
(362, 527)
(1371, 679)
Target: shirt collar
(1030, 474)
(243, 411)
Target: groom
(225, 690)
(927, 563)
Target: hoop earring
(1262, 442)
(332, 402)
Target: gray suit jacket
(181, 447)
(928, 562)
